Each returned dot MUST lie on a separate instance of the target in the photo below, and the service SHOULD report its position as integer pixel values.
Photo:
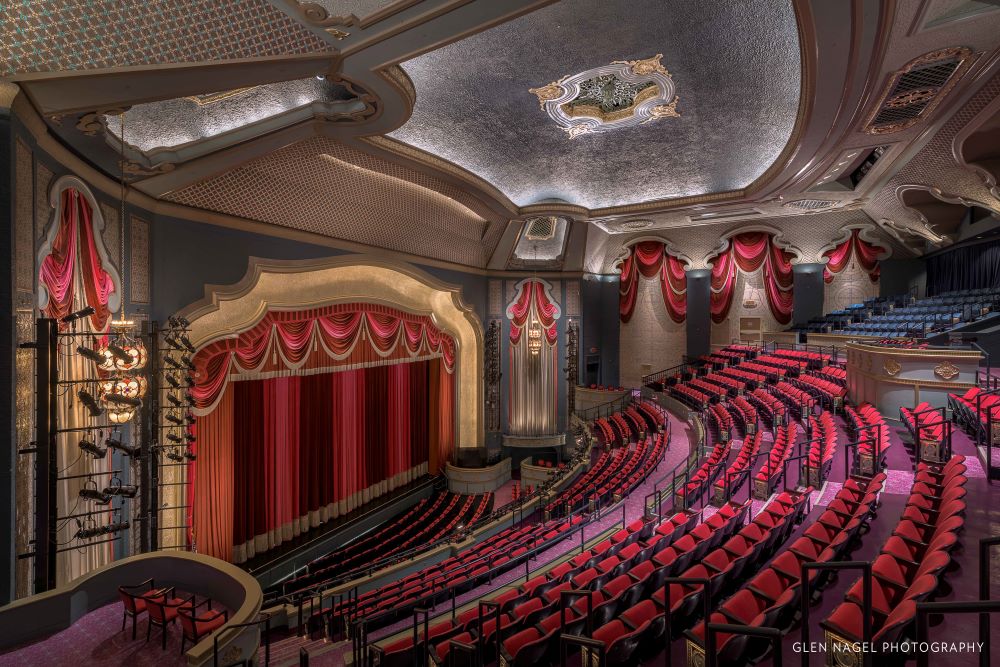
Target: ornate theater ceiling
(454, 129)
(738, 99)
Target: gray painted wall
(699, 312)
(899, 276)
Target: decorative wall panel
(58, 35)
(573, 298)
(650, 340)
(139, 260)
(24, 475)
(43, 179)
(495, 306)
(23, 218)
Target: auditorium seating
(924, 422)
(833, 373)
(771, 410)
(703, 476)
(822, 449)
(799, 401)
(772, 597)
(744, 414)
(867, 425)
(912, 561)
(771, 470)
(975, 409)
(422, 527)
(831, 392)
(738, 470)
(720, 422)
(742, 374)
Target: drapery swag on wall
(649, 259)
(840, 256)
(533, 404)
(748, 252)
(309, 415)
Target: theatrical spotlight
(177, 402)
(123, 400)
(125, 491)
(190, 437)
(96, 531)
(93, 449)
(187, 343)
(186, 360)
(93, 355)
(174, 456)
(90, 403)
(178, 322)
(130, 450)
(83, 312)
(120, 354)
(174, 419)
(92, 493)
(189, 455)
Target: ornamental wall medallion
(891, 367)
(946, 370)
(623, 94)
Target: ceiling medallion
(946, 370)
(623, 94)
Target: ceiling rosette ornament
(623, 94)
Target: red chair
(162, 610)
(134, 604)
(196, 626)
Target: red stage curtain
(321, 339)
(747, 252)
(74, 242)
(839, 257)
(278, 456)
(649, 259)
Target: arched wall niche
(270, 285)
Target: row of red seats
(722, 359)
(653, 414)
(794, 397)
(621, 426)
(623, 614)
(605, 433)
(730, 384)
(461, 572)
(636, 420)
(771, 408)
(708, 388)
(740, 467)
(834, 373)
(924, 422)
(705, 473)
(692, 397)
(822, 450)
(772, 597)
(787, 365)
(601, 387)
(912, 561)
(868, 426)
(771, 470)
(606, 460)
(745, 413)
(720, 421)
(624, 472)
(766, 370)
(830, 390)
(742, 374)
(974, 411)
(802, 355)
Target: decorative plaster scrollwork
(91, 124)
(946, 370)
(891, 367)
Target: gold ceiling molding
(623, 94)
(317, 15)
(91, 124)
(212, 98)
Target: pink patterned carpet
(97, 639)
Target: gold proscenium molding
(946, 370)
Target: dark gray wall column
(699, 313)
(8, 443)
(807, 300)
(600, 330)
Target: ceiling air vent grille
(541, 228)
(917, 88)
(809, 204)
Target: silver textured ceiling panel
(736, 66)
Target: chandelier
(534, 337)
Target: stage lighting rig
(88, 401)
(74, 316)
(91, 354)
(93, 449)
(129, 450)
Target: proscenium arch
(275, 285)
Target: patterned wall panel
(23, 218)
(54, 35)
(573, 298)
(852, 285)
(650, 341)
(112, 232)
(24, 475)
(323, 186)
(43, 179)
(496, 304)
(139, 260)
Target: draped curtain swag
(748, 252)
(316, 341)
(649, 259)
(839, 257)
(533, 384)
